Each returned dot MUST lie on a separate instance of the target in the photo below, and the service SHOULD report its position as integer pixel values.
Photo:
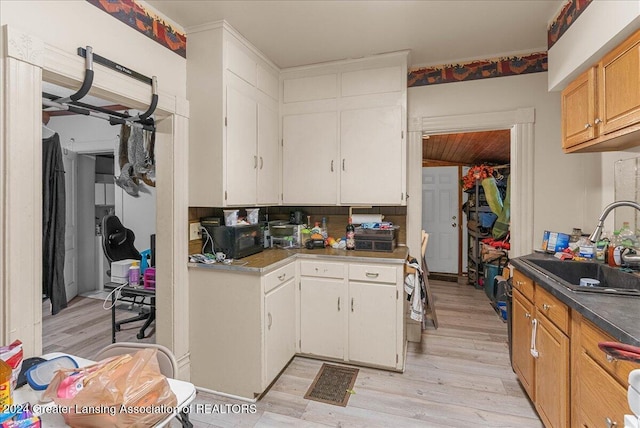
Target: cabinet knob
(546, 307)
(610, 423)
(597, 121)
(610, 358)
(372, 274)
(281, 277)
(352, 304)
(587, 126)
(331, 165)
(527, 315)
(343, 164)
(270, 320)
(255, 162)
(261, 162)
(338, 304)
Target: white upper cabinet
(310, 158)
(268, 179)
(371, 147)
(233, 125)
(344, 132)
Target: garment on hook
(135, 157)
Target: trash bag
(122, 391)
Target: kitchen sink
(568, 273)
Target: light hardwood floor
(459, 376)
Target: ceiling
(293, 33)
(467, 149)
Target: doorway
(89, 149)
(446, 158)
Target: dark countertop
(619, 316)
(273, 258)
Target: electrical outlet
(194, 231)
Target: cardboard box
(553, 242)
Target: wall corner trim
(23, 47)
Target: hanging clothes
(136, 159)
(53, 223)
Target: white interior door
(440, 206)
(69, 159)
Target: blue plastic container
(490, 273)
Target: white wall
(41, 38)
(565, 185)
(68, 25)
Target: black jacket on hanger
(53, 223)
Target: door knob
(453, 225)
(453, 218)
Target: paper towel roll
(366, 218)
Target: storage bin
(490, 273)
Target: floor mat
(333, 385)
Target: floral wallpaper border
(565, 18)
(152, 26)
(480, 69)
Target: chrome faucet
(595, 236)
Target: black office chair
(117, 242)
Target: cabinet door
(371, 167)
(280, 328)
(522, 360)
(578, 110)
(241, 157)
(268, 184)
(601, 400)
(309, 161)
(372, 323)
(323, 310)
(619, 86)
(552, 374)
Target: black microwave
(234, 241)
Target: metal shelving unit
(475, 266)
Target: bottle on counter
(586, 248)
(602, 247)
(134, 274)
(627, 237)
(323, 229)
(615, 246)
(351, 236)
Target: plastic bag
(123, 391)
(13, 355)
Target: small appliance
(286, 235)
(234, 241)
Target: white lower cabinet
(323, 317)
(280, 328)
(372, 323)
(352, 312)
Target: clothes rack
(72, 102)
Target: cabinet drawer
(599, 397)
(322, 269)
(552, 308)
(372, 273)
(523, 284)
(590, 335)
(279, 276)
